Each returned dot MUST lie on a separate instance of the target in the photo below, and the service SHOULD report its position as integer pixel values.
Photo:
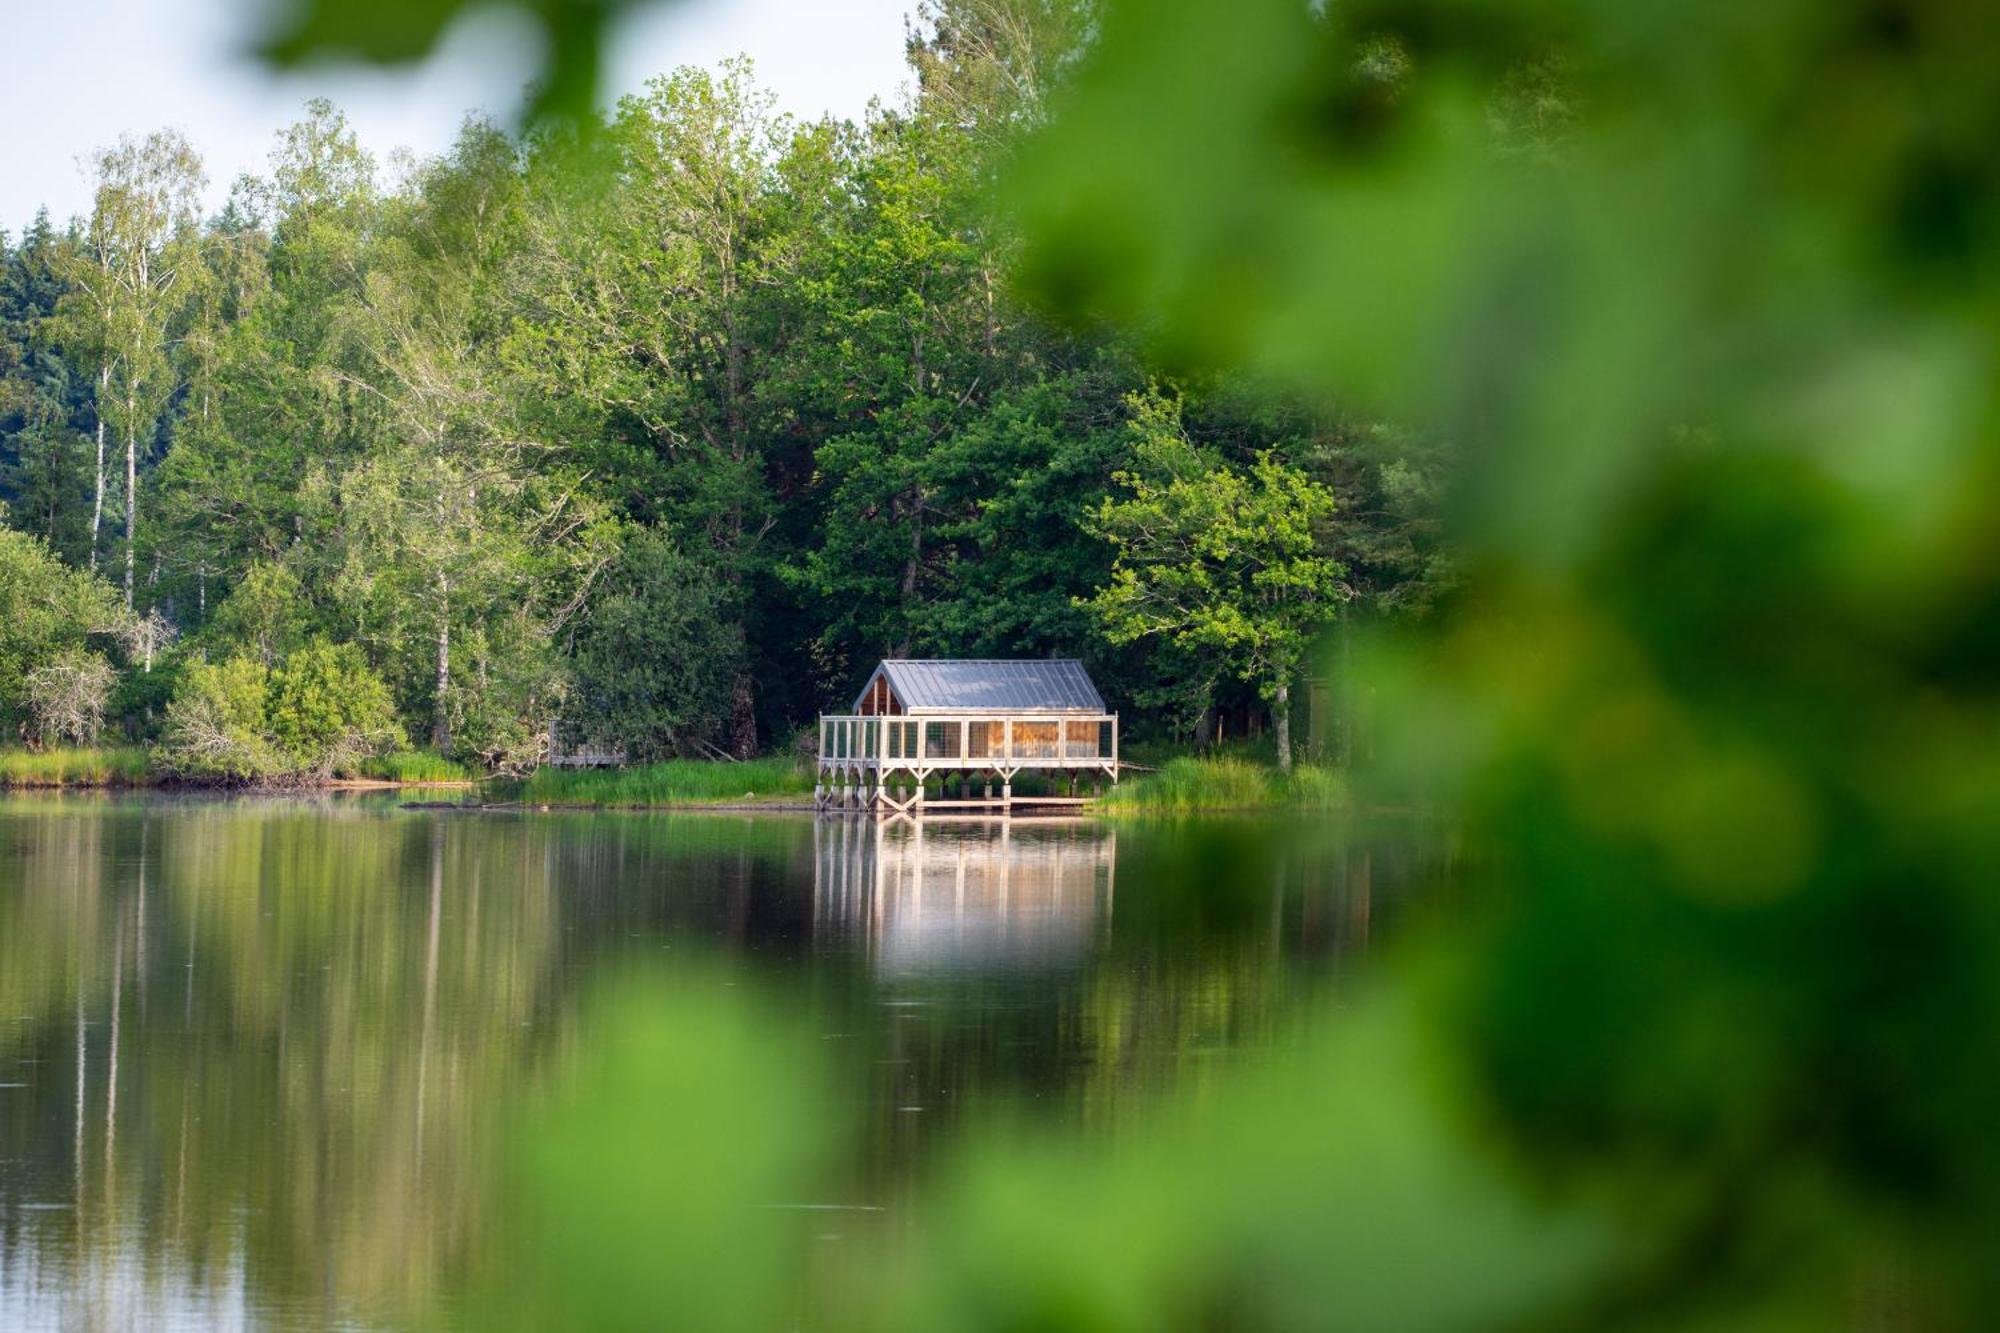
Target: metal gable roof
(986, 684)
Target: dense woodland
(663, 429)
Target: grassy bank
(673, 782)
(111, 766)
(1188, 785)
(132, 766)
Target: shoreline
(258, 788)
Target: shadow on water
(256, 1054)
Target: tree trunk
(743, 718)
(131, 506)
(1344, 724)
(97, 497)
(1281, 719)
(440, 714)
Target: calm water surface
(251, 1050)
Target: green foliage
(139, 700)
(47, 610)
(673, 782)
(1228, 565)
(216, 724)
(45, 473)
(426, 418)
(326, 709)
(657, 655)
(1728, 563)
(400, 32)
(123, 766)
(638, 1228)
(266, 614)
(319, 711)
(125, 295)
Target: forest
(659, 429)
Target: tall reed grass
(671, 782)
(1190, 785)
(415, 766)
(110, 766)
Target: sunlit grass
(415, 766)
(1191, 785)
(111, 766)
(672, 782)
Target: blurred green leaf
(398, 32)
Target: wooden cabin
(972, 723)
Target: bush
(138, 704)
(216, 723)
(66, 696)
(48, 613)
(327, 710)
(323, 709)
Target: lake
(256, 1053)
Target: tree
(650, 314)
(273, 357)
(128, 276)
(48, 613)
(43, 463)
(1218, 560)
(657, 654)
(268, 613)
(460, 528)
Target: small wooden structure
(565, 754)
(980, 721)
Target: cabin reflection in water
(963, 895)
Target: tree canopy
(658, 428)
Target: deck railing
(972, 741)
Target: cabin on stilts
(971, 724)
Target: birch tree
(128, 276)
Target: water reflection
(998, 894)
(255, 1054)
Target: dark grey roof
(987, 684)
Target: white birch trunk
(1281, 718)
(440, 719)
(97, 496)
(131, 507)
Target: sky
(81, 72)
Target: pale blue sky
(81, 72)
